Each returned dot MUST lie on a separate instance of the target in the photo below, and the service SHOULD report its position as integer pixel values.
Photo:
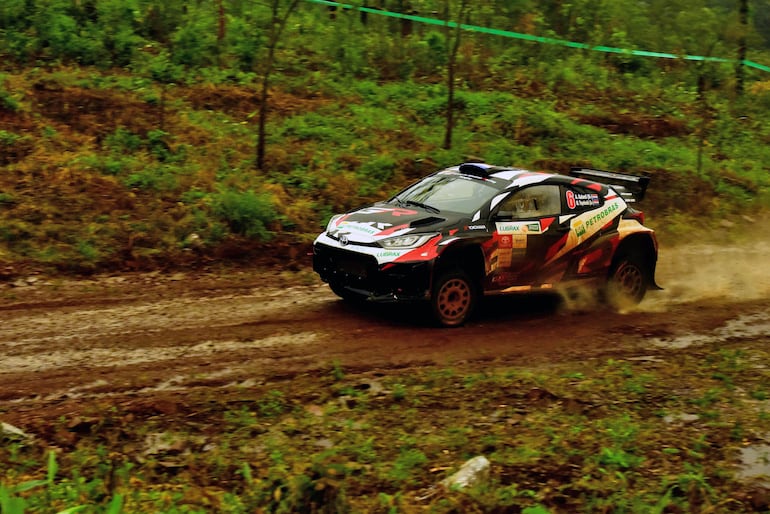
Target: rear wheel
(453, 297)
(628, 282)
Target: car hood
(380, 221)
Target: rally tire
(628, 282)
(453, 297)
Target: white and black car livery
(478, 229)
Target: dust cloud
(694, 272)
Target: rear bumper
(362, 274)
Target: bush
(123, 141)
(246, 213)
(7, 102)
(155, 178)
(8, 138)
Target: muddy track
(140, 336)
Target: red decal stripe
(553, 250)
(426, 252)
(545, 223)
(391, 230)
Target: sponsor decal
(519, 241)
(585, 226)
(388, 253)
(580, 229)
(518, 227)
(601, 215)
(372, 228)
(575, 200)
(502, 278)
(504, 252)
(364, 228)
(476, 227)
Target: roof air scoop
(476, 169)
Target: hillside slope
(108, 170)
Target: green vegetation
(128, 131)
(128, 139)
(566, 438)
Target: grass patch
(571, 438)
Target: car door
(529, 230)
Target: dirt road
(67, 342)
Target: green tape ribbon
(538, 39)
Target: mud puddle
(746, 326)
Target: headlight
(407, 241)
(330, 226)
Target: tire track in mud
(51, 351)
(60, 346)
(132, 325)
(361, 340)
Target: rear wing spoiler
(630, 187)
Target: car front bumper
(361, 273)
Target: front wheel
(628, 283)
(453, 298)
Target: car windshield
(450, 192)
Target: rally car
(477, 229)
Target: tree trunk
(262, 121)
(450, 107)
(277, 24)
(702, 127)
(452, 67)
(221, 30)
(740, 69)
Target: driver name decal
(575, 200)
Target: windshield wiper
(415, 203)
